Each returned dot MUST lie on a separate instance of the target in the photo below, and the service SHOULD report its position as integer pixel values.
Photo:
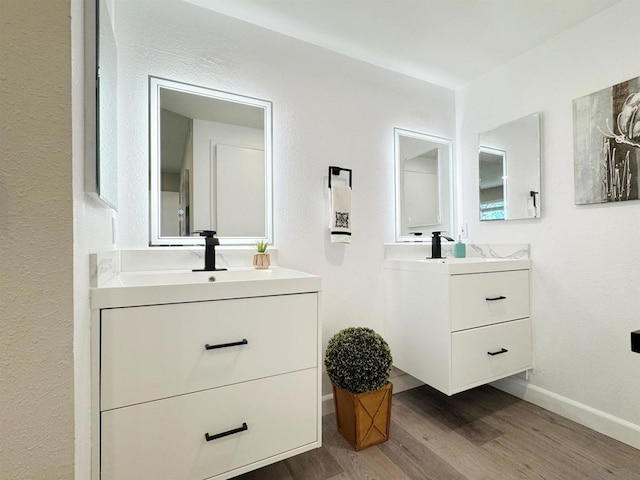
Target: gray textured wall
(36, 241)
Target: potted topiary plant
(358, 362)
(261, 259)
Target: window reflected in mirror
(210, 165)
(509, 166)
(423, 185)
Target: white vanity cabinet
(454, 324)
(206, 389)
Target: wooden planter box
(363, 418)
(261, 260)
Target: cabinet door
(488, 298)
(154, 352)
(165, 439)
(481, 355)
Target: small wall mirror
(423, 165)
(210, 165)
(509, 165)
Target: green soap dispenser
(459, 249)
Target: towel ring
(336, 171)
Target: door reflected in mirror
(509, 166)
(493, 184)
(423, 185)
(210, 165)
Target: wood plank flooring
(481, 434)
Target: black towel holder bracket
(336, 171)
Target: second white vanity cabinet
(458, 323)
(210, 388)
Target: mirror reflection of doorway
(185, 205)
(238, 191)
(170, 213)
(422, 190)
(493, 184)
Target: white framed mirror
(509, 167)
(423, 185)
(210, 165)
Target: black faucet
(436, 244)
(210, 242)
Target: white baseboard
(327, 404)
(597, 420)
(400, 382)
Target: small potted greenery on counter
(261, 259)
(358, 363)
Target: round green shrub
(358, 359)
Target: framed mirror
(424, 195)
(509, 166)
(210, 165)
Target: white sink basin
(453, 266)
(176, 286)
(464, 260)
(177, 277)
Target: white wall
(327, 110)
(586, 275)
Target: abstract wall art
(606, 144)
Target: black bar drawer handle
(502, 350)
(244, 341)
(227, 433)
(493, 299)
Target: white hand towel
(340, 221)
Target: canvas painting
(606, 144)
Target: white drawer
(165, 440)
(471, 359)
(154, 352)
(487, 298)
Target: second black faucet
(436, 244)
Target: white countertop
(177, 286)
(458, 266)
